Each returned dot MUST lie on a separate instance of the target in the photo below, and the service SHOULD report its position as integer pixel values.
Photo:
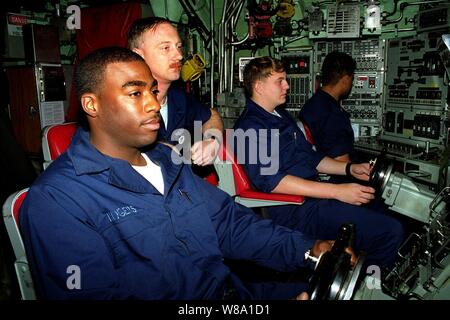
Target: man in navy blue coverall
(115, 218)
(158, 42)
(327, 205)
(330, 125)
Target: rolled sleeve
(265, 183)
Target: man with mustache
(115, 218)
(158, 42)
(327, 205)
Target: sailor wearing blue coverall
(107, 220)
(158, 42)
(183, 111)
(329, 123)
(328, 205)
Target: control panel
(298, 67)
(365, 101)
(416, 107)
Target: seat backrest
(56, 139)
(241, 181)
(11, 209)
(212, 179)
(306, 131)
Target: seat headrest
(58, 138)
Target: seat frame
(10, 211)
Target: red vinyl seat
(234, 181)
(56, 139)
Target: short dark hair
(89, 75)
(90, 72)
(336, 65)
(140, 26)
(258, 69)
